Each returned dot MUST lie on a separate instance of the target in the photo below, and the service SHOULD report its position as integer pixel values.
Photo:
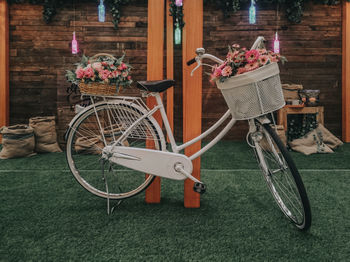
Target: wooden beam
(4, 64)
(346, 73)
(155, 47)
(192, 91)
(169, 65)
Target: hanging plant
(49, 7)
(115, 6)
(228, 7)
(49, 10)
(177, 13)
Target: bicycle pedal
(199, 188)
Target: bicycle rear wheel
(101, 126)
(282, 176)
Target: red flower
(252, 56)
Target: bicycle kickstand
(104, 178)
(198, 186)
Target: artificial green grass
(46, 216)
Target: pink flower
(124, 74)
(262, 51)
(122, 66)
(222, 65)
(236, 46)
(241, 70)
(104, 74)
(251, 66)
(231, 55)
(273, 58)
(97, 66)
(227, 71)
(263, 59)
(217, 72)
(79, 72)
(252, 56)
(116, 73)
(129, 78)
(89, 72)
(239, 58)
(104, 63)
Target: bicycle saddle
(155, 86)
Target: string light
(252, 13)
(101, 12)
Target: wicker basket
(98, 89)
(254, 93)
(95, 88)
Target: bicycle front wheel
(282, 176)
(103, 125)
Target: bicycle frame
(176, 148)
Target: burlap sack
(290, 91)
(45, 134)
(89, 145)
(17, 141)
(93, 145)
(311, 143)
(328, 138)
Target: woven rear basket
(98, 89)
(254, 93)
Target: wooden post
(155, 47)
(4, 64)
(169, 65)
(346, 73)
(192, 91)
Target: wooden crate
(282, 115)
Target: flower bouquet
(240, 60)
(101, 74)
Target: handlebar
(192, 61)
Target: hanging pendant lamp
(252, 13)
(101, 12)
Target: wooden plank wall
(313, 48)
(40, 54)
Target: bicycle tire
(85, 164)
(296, 207)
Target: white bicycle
(115, 141)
